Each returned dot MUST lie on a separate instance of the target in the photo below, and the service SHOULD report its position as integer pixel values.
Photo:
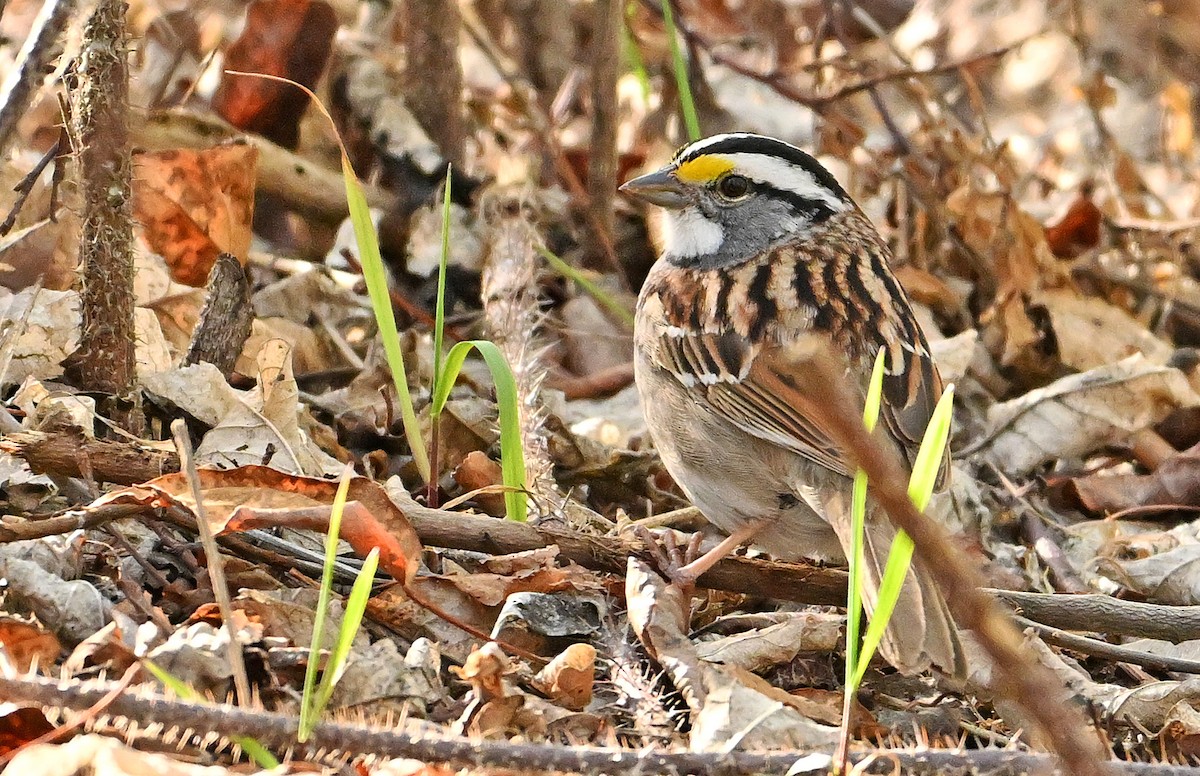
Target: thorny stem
(278, 731)
(104, 361)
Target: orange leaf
(192, 205)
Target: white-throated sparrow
(762, 246)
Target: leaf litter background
(1033, 167)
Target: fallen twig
(1102, 613)
(1097, 648)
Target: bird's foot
(676, 563)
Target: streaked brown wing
(736, 379)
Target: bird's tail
(921, 633)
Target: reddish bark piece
(286, 38)
(194, 205)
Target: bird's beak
(660, 187)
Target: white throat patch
(688, 234)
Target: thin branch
(216, 566)
(1100, 613)
(25, 187)
(544, 130)
(779, 83)
(1097, 648)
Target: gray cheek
(754, 227)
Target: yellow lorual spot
(704, 169)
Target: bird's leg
(685, 565)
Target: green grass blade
(894, 573)
(308, 707)
(356, 607)
(920, 489)
(256, 752)
(623, 313)
(373, 273)
(439, 321)
(686, 103)
(172, 682)
(512, 454)
(933, 446)
(858, 518)
(375, 276)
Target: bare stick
(602, 163)
(1097, 648)
(104, 361)
(433, 77)
(216, 567)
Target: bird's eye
(733, 187)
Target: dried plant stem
(602, 163)
(511, 316)
(22, 80)
(216, 566)
(104, 361)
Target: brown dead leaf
(27, 644)
(865, 727)
(1078, 229)
(930, 290)
(485, 669)
(1180, 737)
(1089, 332)
(286, 38)
(996, 227)
(568, 678)
(258, 496)
(724, 708)
(19, 726)
(193, 205)
(477, 472)
(530, 571)
(1175, 483)
(1081, 413)
(1171, 577)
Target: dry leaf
(724, 710)
(569, 677)
(27, 644)
(290, 39)
(193, 205)
(1081, 413)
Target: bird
(761, 247)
